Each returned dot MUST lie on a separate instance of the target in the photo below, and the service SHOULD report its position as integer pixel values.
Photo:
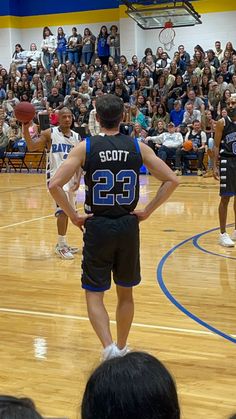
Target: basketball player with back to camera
(58, 141)
(225, 155)
(111, 162)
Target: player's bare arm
(37, 144)
(72, 165)
(218, 135)
(162, 172)
(77, 179)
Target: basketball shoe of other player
(73, 249)
(233, 236)
(63, 252)
(225, 240)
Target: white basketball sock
(61, 241)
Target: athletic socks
(61, 241)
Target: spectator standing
(113, 41)
(74, 47)
(48, 47)
(88, 42)
(102, 46)
(61, 45)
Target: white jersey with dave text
(59, 150)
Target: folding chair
(192, 159)
(16, 159)
(42, 161)
(2, 158)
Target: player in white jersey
(58, 142)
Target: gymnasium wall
(21, 21)
(215, 26)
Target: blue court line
(199, 247)
(173, 300)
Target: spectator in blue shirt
(102, 47)
(177, 114)
(61, 45)
(2, 93)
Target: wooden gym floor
(48, 347)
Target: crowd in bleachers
(157, 89)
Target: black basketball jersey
(195, 138)
(111, 175)
(228, 140)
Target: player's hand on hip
(140, 214)
(216, 173)
(79, 220)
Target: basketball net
(167, 35)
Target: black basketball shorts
(227, 176)
(110, 246)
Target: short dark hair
(18, 408)
(64, 109)
(109, 109)
(135, 386)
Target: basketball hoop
(167, 35)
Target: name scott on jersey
(113, 155)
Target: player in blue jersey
(111, 162)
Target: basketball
(24, 112)
(188, 145)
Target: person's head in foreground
(17, 408)
(134, 386)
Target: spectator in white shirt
(197, 137)
(191, 114)
(34, 55)
(93, 124)
(167, 142)
(48, 47)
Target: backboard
(180, 14)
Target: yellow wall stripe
(99, 16)
(213, 6)
(60, 19)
